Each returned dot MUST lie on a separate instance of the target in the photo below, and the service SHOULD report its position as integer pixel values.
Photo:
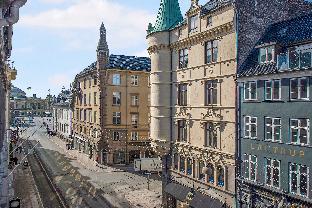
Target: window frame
(212, 48)
(272, 172)
(299, 88)
(183, 58)
(298, 179)
(135, 122)
(193, 23)
(116, 79)
(214, 139)
(272, 125)
(299, 127)
(272, 88)
(267, 54)
(116, 98)
(116, 118)
(134, 135)
(247, 86)
(134, 80)
(182, 131)
(182, 94)
(249, 162)
(135, 100)
(249, 124)
(211, 92)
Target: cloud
(59, 80)
(126, 27)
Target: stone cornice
(203, 36)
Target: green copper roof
(169, 15)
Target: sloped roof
(123, 62)
(213, 5)
(284, 34)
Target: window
(299, 131)
(250, 127)
(95, 81)
(90, 83)
(90, 116)
(135, 100)
(273, 129)
(134, 136)
(116, 79)
(116, 135)
(182, 164)
(210, 173)
(211, 51)
(299, 179)
(250, 167)
(209, 21)
(116, 98)
(85, 115)
(272, 172)
(135, 120)
(193, 23)
(134, 80)
(210, 135)
(299, 89)
(183, 58)
(116, 118)
(95, 116)
(95, 98)
(89, 98)
(250, 89)
(85, 99)
(176, 161)
(220, 176)
(189, 165)
(182, 131)
(182, 94)
(84, 83)
(211, 92)
(201, 175)
(266, 54)
(273, 90)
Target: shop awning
(180, 192)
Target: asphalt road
(58, 182)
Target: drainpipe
(14, 13)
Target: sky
(56, 39)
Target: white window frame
(135, 100)
(299, 87)
(272, 126)
(249, 124)
(272, 167)
(272, 89)
(116, 79)
(298, 174)
(299, 127)
(134, 136)
(249, 162)
(193, 23)
(266, 56)
(116, 115)
(135, 120)
(247, 86)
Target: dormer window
(193, 23)
(266, 55)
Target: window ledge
(300, 145)
(274, 101)
(251, 101)
(299, 100)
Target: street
(79, 185)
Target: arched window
(182, 164)
(189, 166)
(220, 176)
(210, 173)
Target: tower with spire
(102, 49)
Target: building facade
(9, 15)
(194, 61)
(29, 106)
(86, 112)
(275, 99)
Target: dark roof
(200, 200)
(286, 33)
(123, 62)
(213, 5)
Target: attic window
(193, 24)
(266, 55)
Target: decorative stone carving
(211, 113)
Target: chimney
(34, 96)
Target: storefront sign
(277, 150)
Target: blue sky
(56, 39)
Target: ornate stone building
(194, 61)
(9, 15)
(120, 106)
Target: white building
(62, 120)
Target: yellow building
(114, 91)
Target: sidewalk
(117, 185)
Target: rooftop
(285, 34)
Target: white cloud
(126, 27)
(59, 80)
